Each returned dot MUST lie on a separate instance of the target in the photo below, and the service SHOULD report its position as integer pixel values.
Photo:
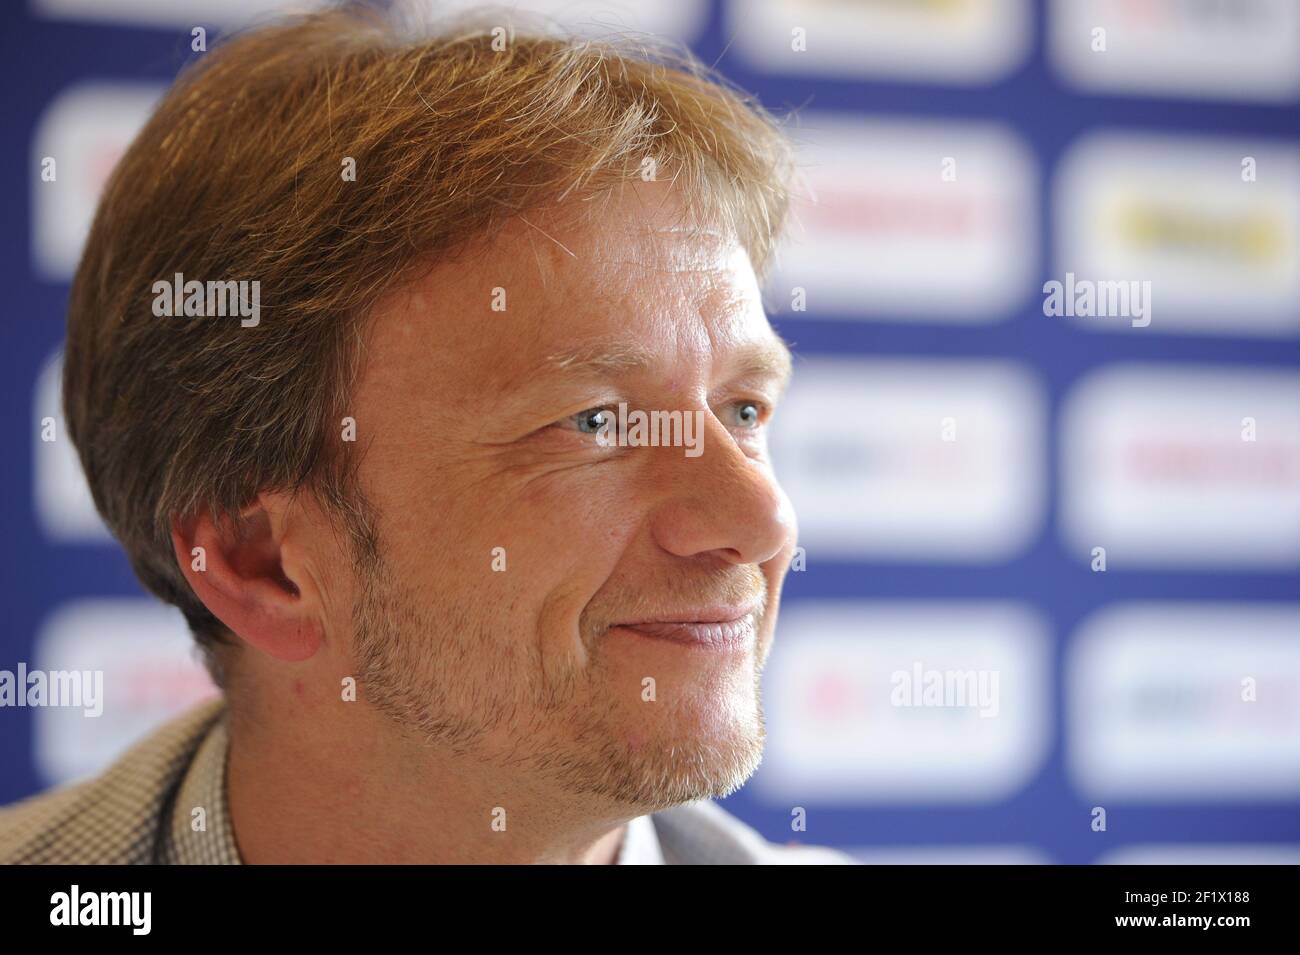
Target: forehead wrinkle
(608, 355)
(601, 358)
(771, 358)
(674, 256)
(650, 246)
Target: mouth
(711, 628)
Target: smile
(733, 634)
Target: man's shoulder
(703, 833)
(111, 818)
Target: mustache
(739, 585)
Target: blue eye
(593, 420)
(749, 414)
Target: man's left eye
(593, 420)
(749, 414)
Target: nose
(722, 503)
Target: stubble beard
(567, 734)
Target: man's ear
(238, 571)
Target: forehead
(618, 241)
(628, 269)
(637, 251)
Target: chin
(698, 751)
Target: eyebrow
(771, 358)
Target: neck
(321, 782)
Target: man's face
(550, 602)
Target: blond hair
(238, 176)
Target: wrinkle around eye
(527, 475)
(563, 437)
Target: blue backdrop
(1047, 816)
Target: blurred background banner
(1043, 436)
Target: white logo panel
(1246, 50)
(836, 733)
(1222, 252)
(890, 458)
(85, 131)
(151, 674)
(958, 41)
(1182, 466)
(1176, 702)
(910, 220)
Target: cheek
(569, 554)
(573, 540)
(585, 509)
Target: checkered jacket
(139, 811)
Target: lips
(713, 628)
